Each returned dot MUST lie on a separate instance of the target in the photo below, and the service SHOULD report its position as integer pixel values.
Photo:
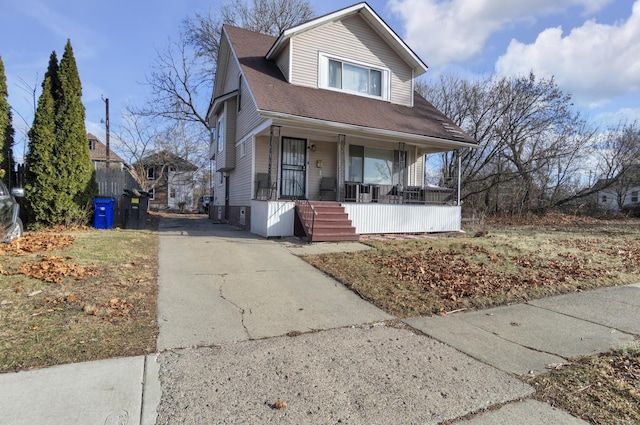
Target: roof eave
(279, 118)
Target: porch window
(353, 77)
(374, 166)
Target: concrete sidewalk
(244, 322)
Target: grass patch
(92, 297)
(602, 390)
(507, 264)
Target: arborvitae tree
(40, 188)
(74, 161)
(6, 131)
(60, 176)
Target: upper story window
(151, 173)
(353, 77)
(220, 134)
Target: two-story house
(169, 180)
(320, 130)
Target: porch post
(341, 166)
(459, 173)
(274, 131)
(403, 161)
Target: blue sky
(591, 47)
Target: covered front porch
(377, 180)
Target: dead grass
(506, 264)
(601, 390)
(70, 296)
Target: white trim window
(353, 77)
(220, 134)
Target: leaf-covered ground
(77, 295)
(504, 264)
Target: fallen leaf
(279, 404)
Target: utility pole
(108, 155)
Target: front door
(294, 168)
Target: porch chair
(328, 189)
(263, 191)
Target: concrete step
(334, 237)
(331, 223)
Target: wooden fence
(111, 184)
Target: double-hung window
(353, 77)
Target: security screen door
(294, 168)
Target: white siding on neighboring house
(354, 39)
(609, 199)
(180, 189)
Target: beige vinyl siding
(353, 39)
(283, 60)
(224, 57)
(232, 73)
(327, 152)
(262, 156)
(226, 160)
(240, 188)
(248, 117)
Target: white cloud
(595, 61)
(444, 31)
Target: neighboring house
(98, 154)
(621, 194)
(169, 180)
(327, 111)
(113, 178)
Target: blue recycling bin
(103, 212)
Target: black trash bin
(135, 205)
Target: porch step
(331, 223)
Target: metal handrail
(305, 210)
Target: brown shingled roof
(274, 94)
(98, 151)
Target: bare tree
(531, 143)
(136, 139)
(183, 75)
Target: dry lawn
(70, 296)
(600, 390)
(502, 264)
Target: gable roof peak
(371, 17)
